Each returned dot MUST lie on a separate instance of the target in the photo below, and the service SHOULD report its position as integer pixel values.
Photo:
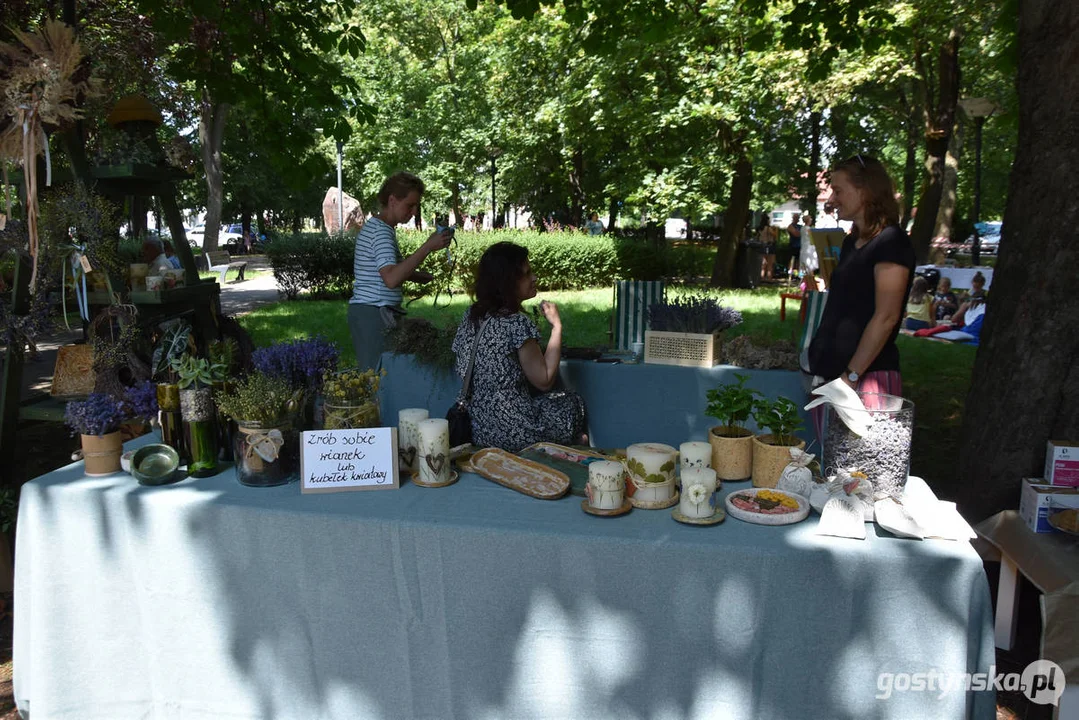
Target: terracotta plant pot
(101, 453)
(732, 452)
(770, 460)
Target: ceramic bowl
(155, 464)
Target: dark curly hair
(501, 269)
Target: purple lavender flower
(692, 314)
(99, 414)
(301, 362)
(140, 401)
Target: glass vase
(200, 430)
(171, 420)
(883, 453)
(266, 454)
(225, 426)
(346, 417)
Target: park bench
(220, 261)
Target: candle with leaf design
(651, 470)
(606, 484)
(433, 456)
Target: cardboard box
(1062, 463)
(1035, 499)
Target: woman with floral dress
(513, 403)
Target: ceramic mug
(638, 350)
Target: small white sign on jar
(348, 459)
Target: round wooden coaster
(625, 508)
(717, 517)
(451, 481)
(655, 504)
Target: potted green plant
(771, 452)
(196, 379)
(97, 420)
(266, 443)
(350, 399)
(732, 442)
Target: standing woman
(856, 337)
(514, 403)
(379, 269)
(767, 237)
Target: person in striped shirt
(379, 270)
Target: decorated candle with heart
(408, 437)
(606, 484)
(651, 469)
(433, 456)
(695, 454)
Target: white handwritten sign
(341, 460)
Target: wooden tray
(516, 473)
(561, 458)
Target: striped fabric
(631, 301)
(376, 247)
(814, 307)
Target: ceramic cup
(606, 484)
(638, 350)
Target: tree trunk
(946, 212)
(576, 213)
(734, 223)
(910, 170)
(809, 199)
(1025, 386)
(612, 214)
(455, 203)
(939, 121)
(211, 134)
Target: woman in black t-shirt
(856, 337)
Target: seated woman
(921, 310)
(977, 297)
(945, 300)
(512, 405)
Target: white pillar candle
(695, 454)
(651, 465)
(408, 437)
(694, 500)
(434, 450)
(607, 480)
(700, 476)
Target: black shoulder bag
(460, 421)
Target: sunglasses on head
(860, 160)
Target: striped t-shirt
(376, 247)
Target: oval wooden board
(516, 473)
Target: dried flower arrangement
(259, 398)
(302, 363)
(140, 401)
(692, 314)
(99, 414)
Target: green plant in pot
(732, 442)
(266, 443)
(196, 379)
(771, 452)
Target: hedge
(322, 265)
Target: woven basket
(686, 349)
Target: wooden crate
(686, 349)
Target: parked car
(989, 237)
(227, 237)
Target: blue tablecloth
(207, 599)
(626, 403)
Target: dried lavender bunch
(301, 362)
(140, 401)
(99, 414)
(692, 314)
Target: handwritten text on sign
(360, 459)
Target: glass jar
(266, 454)
(171, 419)
(225, 426)
(883, 453)
(200, 430)
(346, 417)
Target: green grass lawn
(936, 375)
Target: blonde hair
(919, 290)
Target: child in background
(921, 310)
(810, 281)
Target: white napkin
(897, 519)
(843, 516)
(847, 404)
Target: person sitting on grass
(977, 297)
(945, 300)
(921, 310)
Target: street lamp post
(493, 152)
(340, 191)
(979, 109)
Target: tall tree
(1025, 387)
